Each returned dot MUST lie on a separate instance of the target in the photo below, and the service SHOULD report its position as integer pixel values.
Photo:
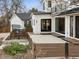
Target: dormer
(47, 5)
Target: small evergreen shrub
(16, 48)
(28, 25)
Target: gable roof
(24, 16)
(74, 10)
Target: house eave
(41, 13)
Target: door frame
(45, 24)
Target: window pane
(71, 26)
(16, 26)
(49, 3)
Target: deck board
(53, 45)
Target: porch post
(67, 26)
(74, 20)
(53, 24)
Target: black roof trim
(74, 10)
(41, 13)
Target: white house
(65, 23)
(44, 22)
(18, 21)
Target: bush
(28, 25)
(16, 48)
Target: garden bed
(27, 55)
(16, 50)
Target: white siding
(15, 20)
(37, 19)
(74, 26)
(67, 26)
(53, 24)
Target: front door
(45, 24)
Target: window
(60, 25)
(55, 9)
(43, 6)
(49, 3)
(14, 26)
(71, 26)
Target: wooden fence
(4, 29)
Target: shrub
(28, 25)
(16, 48)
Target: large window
(71, 26)
(49, 3)
(60, 25)
(77, 26)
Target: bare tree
(4, 8)
(17, 6)
(62, 4)
(74, 2)
(10, 6)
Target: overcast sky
(33, 4)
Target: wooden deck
(49, 50)
(45, 47)
(4, 29)
(73, 47)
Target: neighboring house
(19, 20)
(65, 23)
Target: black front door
(45, 24)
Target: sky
(29, 4)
